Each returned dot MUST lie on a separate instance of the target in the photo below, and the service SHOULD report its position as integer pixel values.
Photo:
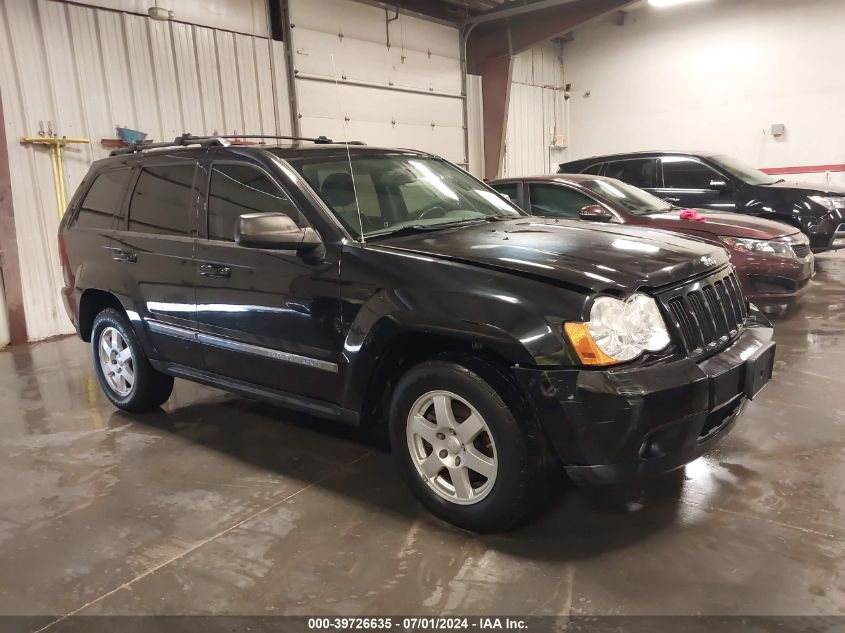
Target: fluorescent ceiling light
(668, 3)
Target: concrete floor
(222, 506)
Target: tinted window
(508, 190)
(239, 189)
(684, 173)
(557, 202)
(334, 184)
(638, 172)
(744, 172)
(161, 201)
(103, 199)
(635, 200)
(398, 190)
(593, 169)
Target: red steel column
(10, 264)
(490, 50)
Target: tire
(499, 496)
(123, 370)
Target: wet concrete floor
(218, 505)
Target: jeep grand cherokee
(389, 286)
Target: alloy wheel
(452, 447)
(116, 361)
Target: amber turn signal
(584, 345)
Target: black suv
(721, 183)
(389, 286)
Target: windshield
(635, 200)
(396, 191)
(744, 172)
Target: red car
(773, 260)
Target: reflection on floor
(219, 505)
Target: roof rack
(319, 140)
(217, 140)
(180, 141)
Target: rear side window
(509, 190)
(593, 170)
(638, 172)
(161, 202)
(553, 201)
(685, 173)
(239, 189)
(103, 199)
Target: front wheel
(123, 371)
(460, 448)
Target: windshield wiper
(403, 230)
(409, 229)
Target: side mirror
(719, 185)
(595, 213)
(275, 231)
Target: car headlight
(760, 247)
(831, 203)
(618, 331)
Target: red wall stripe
(807, 169)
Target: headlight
(618, 331)
(760, 247)
(831, 203)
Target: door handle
(672, 199)
(127, 257)
(215, 270)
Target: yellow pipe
(62, 191)
(50, 140)
(56, 162)
(53, 165)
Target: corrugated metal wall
(86, 70)
(475, 125)
(411, 92)
(535, 113)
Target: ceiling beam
(491, 43)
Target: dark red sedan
(772, 259)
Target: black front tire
(520, 483)
(150, 388)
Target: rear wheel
(460, 448)
(123, 371)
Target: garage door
(351, 86)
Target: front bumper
(774, 280)
(620, 424)
(829, 233)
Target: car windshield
(744, 172)
(400, 192)
(635, 200)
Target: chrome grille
(706, 314)
(801, 250)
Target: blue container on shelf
(128, 135)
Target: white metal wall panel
(475, 125)
(85, 71)
(241, 16)
(185, 57)
(411, 95)
(278, 67)
(535, 112)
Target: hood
(810, 188)
(588, 256)
(728, 224)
